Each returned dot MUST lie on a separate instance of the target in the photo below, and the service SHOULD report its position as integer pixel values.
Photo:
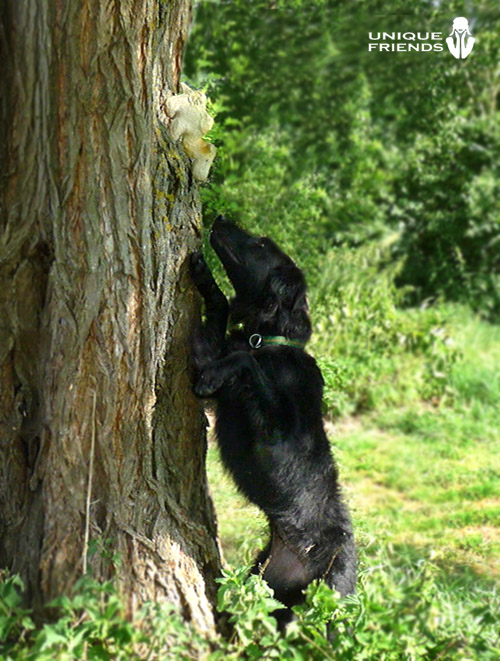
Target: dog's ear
(288, 287)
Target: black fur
(269, 423)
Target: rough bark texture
(99, 213)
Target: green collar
(257, 341)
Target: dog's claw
(199, 269)
(197, 263)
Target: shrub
(448, 205)
(369, 350)
(91, 624)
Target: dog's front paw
(209, 382)
(199, 269)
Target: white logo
(405, 41)
(460, 42)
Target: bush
(371, 352)
(401, 612)
(448, 203)
(91, 624)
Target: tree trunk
(101, 439)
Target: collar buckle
(255, 341)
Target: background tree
(339, 146)
(101, 439)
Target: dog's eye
(261, 243)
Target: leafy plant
(370, 351)
(92, 624)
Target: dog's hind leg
(286, 574)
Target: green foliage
(451, 214)
(403, 611)
(292, 212)
(400, 613)
(370, 352)
(92, 624)
(376, 174)
(249, 602)
(324, 144)
(15, 621)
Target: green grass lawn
(423, 483)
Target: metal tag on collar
(255, 341)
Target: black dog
(269, 426)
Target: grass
(423, 483)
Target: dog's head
(270, 289)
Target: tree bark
(101, 439)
